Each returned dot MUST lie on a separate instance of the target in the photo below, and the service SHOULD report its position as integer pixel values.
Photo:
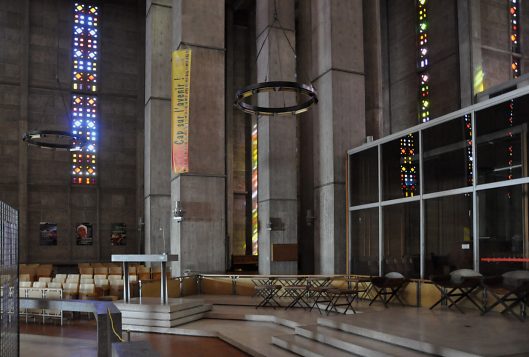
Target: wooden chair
(55, 294)
(44, 270)
(45, 279)
(101, 271)
(144, 273)
(40, 284)
(23, 293)
(72, 278)
(114, 277)
(116, 287)
(24, 277)
(86, 271)
(36, 293)
(59, 278)
(87, 291)
(24, 284)
(156, 272)
(71, 290)
(55, 285)
(115, 270)
(86, 281)
(102, 287)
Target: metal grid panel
(9, 329)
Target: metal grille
(9, 330)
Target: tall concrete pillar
(200, 239)
(373, 70)
(157, 125)
(339, 123)
(277, 148)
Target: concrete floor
(235, 320)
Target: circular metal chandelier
(54, 139)
(277, 86)
(306, 94)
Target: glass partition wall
(444, 195)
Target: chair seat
(457, 287)
(510, 290)
(387, 287)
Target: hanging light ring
(64, 140)
(276, 86)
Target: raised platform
(148, 312)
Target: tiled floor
(78, 339)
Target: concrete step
(162, 323)
(164, 315)
(352, 327)
(307, 347)
(359, 345)
(154, 305)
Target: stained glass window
(84, 88)
(255, 218)
(510, 110)
(469, 160)
(514, 15)
(423, 62)
(408, 174)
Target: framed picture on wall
(119, 234)
(84, 234)
(48, 233)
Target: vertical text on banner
(180, 83)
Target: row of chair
(35, 271)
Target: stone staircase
(151, 314)
(330, 337)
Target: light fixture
(302, 90)
(54, 139)
(178, 212)
(277, 86)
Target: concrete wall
(36, 47)
(495, 43)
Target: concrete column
(465, 52)
(277, 150)
(339, 122)
(476, 56)
(22, 129)
(373, 69)
(200, 239)
(157, 125)
(306, 142)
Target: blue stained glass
(84, 102)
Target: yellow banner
(180, 83)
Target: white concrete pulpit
(139, 258)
